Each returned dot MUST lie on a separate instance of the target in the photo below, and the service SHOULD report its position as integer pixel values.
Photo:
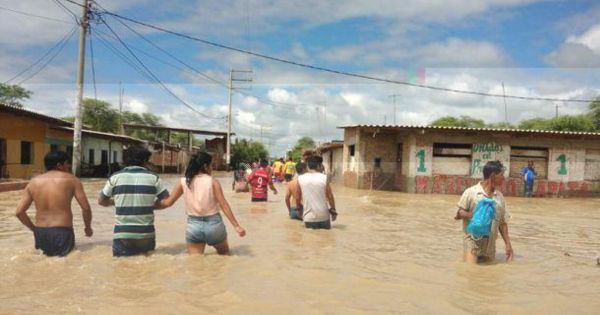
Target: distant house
(101, 152)
(25, 138)
(446, 160)
(333, 158)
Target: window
(452, 159)
(26, 152)
(114, 159)
(91, 157)
(377, 163)
(53, 147)
(104, 157)
(592, 164)
(519, 156)
(351, 149)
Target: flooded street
(387, 253)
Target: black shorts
(54, 241)
(288, 177)
(259, 199)
(318, 225)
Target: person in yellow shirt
(278, 169)
(289, 169)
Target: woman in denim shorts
(203, 198)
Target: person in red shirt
(259, 180)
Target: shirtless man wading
(52, 193)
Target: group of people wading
(136, 192)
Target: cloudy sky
(546, 48)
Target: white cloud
(590, 38)
(578, 51)
(136, 106)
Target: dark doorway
(3, 172)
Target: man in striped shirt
(134, 191)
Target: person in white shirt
(316, 196)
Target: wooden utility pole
(83, 27)
(393, 96)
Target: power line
(223, 84)
(42, 57)
(156, 79)
(339, 72)
(35, 15)
(64, 8)
(60, 48)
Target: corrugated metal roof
(500, 130)
(102, 134)
(21, 111)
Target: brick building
(427, 159)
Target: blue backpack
(483, 215)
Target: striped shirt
(135, 190)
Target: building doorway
(399, 179)
(3, 172)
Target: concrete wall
(15, 129)
(333, 163)
(573, 165)
(88, 143)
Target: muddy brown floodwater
(387, 253)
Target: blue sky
(536, 48)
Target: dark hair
(301, 168)
(136, 155)
(263, 163)
(55, 157)
(313, 162)
(492, 167)
(199, 163)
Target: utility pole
(556, 105)
(83, 27)
(505, 108)
(121, 91)
(232, 79)
(393, 96)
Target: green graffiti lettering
(562, 170)
(421, 155)
(476, 169)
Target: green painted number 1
(421, 156)
(563, 164)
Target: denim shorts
(295, 214)
(209, 230)
(132, 247)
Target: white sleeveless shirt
(200, 200)
(314, 197)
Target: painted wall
(484, 152)
(88, 143)
(15, 129)
(573, 164)
(566, 165)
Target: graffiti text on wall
(482, 153)
(421, 167)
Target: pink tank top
(199, 198)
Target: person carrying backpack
(483, 211)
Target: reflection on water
(387, 253)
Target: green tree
(595, 113)
(13, 94)
(247, 151)
(500, 125)
(462, 121)
(303, 143)
(100, 116)
(582, 122)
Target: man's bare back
(52, 194)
